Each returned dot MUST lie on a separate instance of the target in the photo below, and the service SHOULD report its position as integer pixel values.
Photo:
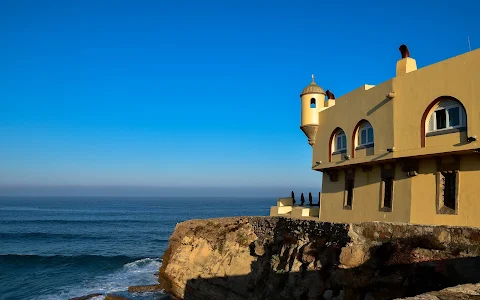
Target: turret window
(313, 103)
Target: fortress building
(405, 150)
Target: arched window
(365, 134)
(313, 103)
(448, 114)
(340, 141)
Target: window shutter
(463, 117)
(431, 122)
(446, 103)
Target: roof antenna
(469, 48)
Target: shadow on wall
(376, 107)
(320, 262)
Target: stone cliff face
(279, 258)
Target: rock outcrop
(87, 297)
(280, 258)
(145, 288)
(460, 292)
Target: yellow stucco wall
(360, 104)
(424, 198)
(365, 152)
(310, 115)
(451, 139)
(338, 157)
(397, 124)
(366, 198)
(458, 77)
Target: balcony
(286, 208)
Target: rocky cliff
(279, 258)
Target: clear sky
(194, 93)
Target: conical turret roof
(312, 88)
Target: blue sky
(193, 93)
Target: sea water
(63, 247)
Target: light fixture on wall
(316, 164)
(390, 150)
(412, 173)
(347, 157)
(472, 138)
(390, 95)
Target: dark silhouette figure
(293, 198)
(310, 199)
(302, 200)
(330, 95)
(404, 51)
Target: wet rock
(144, 288)
(116, 297)
(87, 297)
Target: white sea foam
(140, 272)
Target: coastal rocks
(464, 292)
(212, 250)
(280, 258)
(115, 297)
(145, 288)
(87, 297)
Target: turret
(312, 101)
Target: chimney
(406, 64)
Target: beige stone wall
(367, 196)
(424, 197)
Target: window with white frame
(448, 114)
(365, 134)
(340, 141)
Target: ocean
(62, 247)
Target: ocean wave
(141, 263)
(138, 272)
(83, 261)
